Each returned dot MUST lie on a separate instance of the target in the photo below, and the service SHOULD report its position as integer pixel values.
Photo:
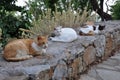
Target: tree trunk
(101, 4)
(99, 10)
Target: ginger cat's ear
(39, 37)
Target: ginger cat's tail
(19, 58)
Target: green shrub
(10, 25)
(115, 9)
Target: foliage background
(41, 16)
(9, 23)
(115, 9)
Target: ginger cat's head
(42, 41)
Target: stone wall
(66, 60)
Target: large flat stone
(85, 77)
(17, 78)
(107, 67)
(100, 43)
(117, 57)
(108, 74)
(89, 55)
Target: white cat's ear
(60, 27)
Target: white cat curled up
(64, 34)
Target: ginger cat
(22, 49)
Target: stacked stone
(68, 60)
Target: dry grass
(44, 25)
(69, 18)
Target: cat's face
(101, 27)
(42, 41)
(57, 31)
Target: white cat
(91, 30)
(87, 29)
(64, 34)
